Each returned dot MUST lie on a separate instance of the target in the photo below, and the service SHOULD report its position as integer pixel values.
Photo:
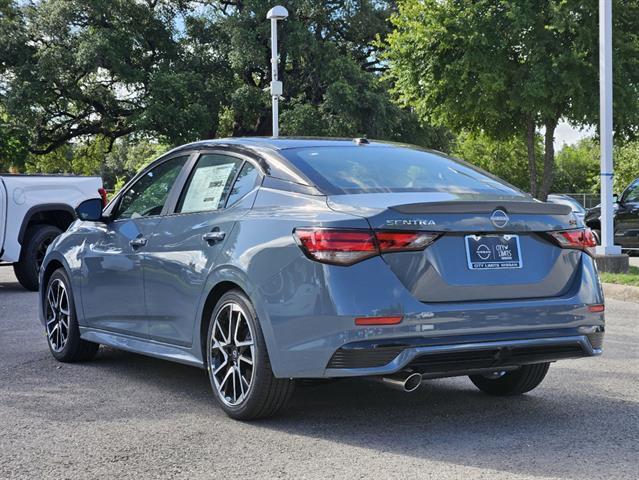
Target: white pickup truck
(34, 209)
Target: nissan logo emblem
(499, 218)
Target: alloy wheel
(232, 354)
(57, 315)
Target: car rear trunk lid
(447, 270)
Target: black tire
(34, 245)
(74, 348)
(519, 381)
(266, 395)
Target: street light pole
(275, 14)
(607, 246)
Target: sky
(568, 135)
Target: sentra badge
(411, 222)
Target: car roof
(265, 150)
(283, 143)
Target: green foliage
(107, 68)
(626, 159)
(85, 158)
(355, 105)
(578, 167)
(13, 145)
(126, 157)
(180, 70)
(57, 161)
(582, 160)
(630, 278)
(490, 63)
(509, 68)
(504, 158)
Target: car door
(113, 286)
(627, 218)
(179, 258)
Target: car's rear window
(346, 170)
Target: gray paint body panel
(307, 309)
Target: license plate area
(493, 252)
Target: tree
(512, 68)
(180, 70)
(77, 68)
(113, 162)
(329, 67)
(505, 158)
(626, 159)
(13, 141)
(578, 166)
(128, 156)
(13, 145)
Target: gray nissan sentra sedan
(269, 260)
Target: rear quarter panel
(262, 245)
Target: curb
(626, 293)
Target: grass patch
(630, 278)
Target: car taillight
(580, 239)
(403, 241)
(341, 247)
(103, 196)
(346, 247)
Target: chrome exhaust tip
(405, 380)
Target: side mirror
(615, 197)
(90, 210)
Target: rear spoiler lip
(522, 208)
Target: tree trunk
(549, 160)
(532, 161)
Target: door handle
(138, 242)
(213, 237)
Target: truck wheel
(36, 241)
(519, 381)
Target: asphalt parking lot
(127, 416)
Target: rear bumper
(308, 310)
(463, 354)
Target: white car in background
(34, 209)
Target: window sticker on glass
(207, 187)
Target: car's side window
(209, 183)
(632, 194)
(243, 184)
(146, 197)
